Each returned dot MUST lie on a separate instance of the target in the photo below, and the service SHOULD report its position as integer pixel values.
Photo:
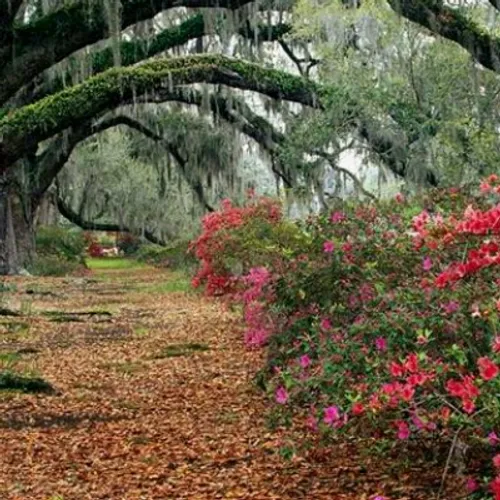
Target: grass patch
(127, 367)
(78, 317)
(177, 282)
(139, 440)
(13, 382)
(9, 358)
(176, 350)
(16, 327)
(111, 263)
(141, 331)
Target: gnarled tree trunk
(16, 230)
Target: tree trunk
(47, 212)
(16, 231)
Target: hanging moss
(54, 113)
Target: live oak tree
(69, 70)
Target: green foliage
(177, 282)
(128, 243)
(53, 265)
(174, 256)
(67, 244)
(10, 381)
(60, 251)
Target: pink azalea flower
(325, 324)
(337, 217)
(451, 307)
(281, 395)
(305, 361)
(484, 187)
(399, 197)
(493, 438)
(427, 264)
(331, 416)
(381, 344)
(471, 485)
(496, 344)
(496, 461)
(328, 246)
(417, 422)
(403, 430)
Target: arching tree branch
(35, 123)
(37, 46)
(132, 52)
(68, 213)
(452, 24)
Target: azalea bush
(381, 320)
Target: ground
(155, 399)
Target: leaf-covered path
(155, 401)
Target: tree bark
(17, 242)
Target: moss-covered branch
(132, 52)
(452, 24)
(37, 46)
(34, 123)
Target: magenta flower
(381, 344)
(281, 395)
(471, 485)
(337, 217)
(493, 439)
(451, 307)
(325, 324)
(328, 246)
(332, 415)
(305, 361)
(403, 430)
(427, 264)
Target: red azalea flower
(487, 368)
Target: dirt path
(155, 402)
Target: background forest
(190, 104)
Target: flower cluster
(381, 320)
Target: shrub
(52, 265)
(174, 256)
(59, 251)
(128, 243)
(381, 320)
(67, 244)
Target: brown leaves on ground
(156, 401)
